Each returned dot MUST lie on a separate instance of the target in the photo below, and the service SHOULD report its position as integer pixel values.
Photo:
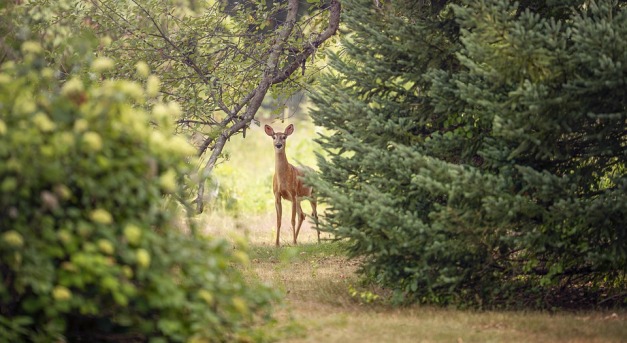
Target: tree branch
(271, 76)
(206, 171)
(309, 48)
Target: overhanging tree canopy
(218, 60)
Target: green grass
(299, 252)
(324, 303)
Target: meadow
(325, 303)
(325, 300)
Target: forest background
(121, 121)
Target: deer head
(279, 138)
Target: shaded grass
(296, 269)
(323, 304)
(442, 325)
(300, 252)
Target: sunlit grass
(317, 281)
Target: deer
(287, 183)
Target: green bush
(88, 246)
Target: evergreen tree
(478, 149)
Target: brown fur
(287, 184)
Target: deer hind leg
(314, 214)
(279, 210)
(301, 217)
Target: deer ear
(269, 130)
(289, 129)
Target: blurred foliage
(91, 248)
(478, 152)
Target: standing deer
(287, 183)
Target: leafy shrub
(88, 246)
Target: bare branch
(310, 47)
(206, 171)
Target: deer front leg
(277, 205)
(294, 219)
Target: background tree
(217, 59)
(478, 149)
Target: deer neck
(281, 166)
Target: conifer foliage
(477, 149)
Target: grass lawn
(323, 301)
